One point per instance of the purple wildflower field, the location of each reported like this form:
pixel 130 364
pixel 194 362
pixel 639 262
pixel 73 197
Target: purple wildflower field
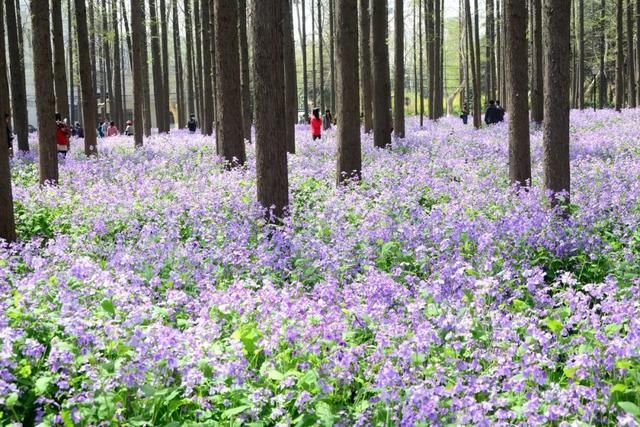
pixel 146 291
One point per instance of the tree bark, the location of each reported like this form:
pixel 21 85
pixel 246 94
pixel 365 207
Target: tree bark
pixel 189 94
pixel 638 51
pixel 381 78
pixel 166 122
pixel 177 51
pixel 398 93
pixel 247 107
pixel 601 48
pixel 414 36
pixel 199 84
pixel 437 55
pixel 314 88
pixel 490 65
pixel 146 89
pixel 477 47
pixel 619 56
pixel 107 60
pixel 476 81
pixel 366 83
pixel 421 65
pixel 290 87
pixel 320 56
pixel 230 132
pixel 127 36
pixel 517 80
pixel 90 105
pixel 207 125
pixel 303 47
pixel 557 36
pixel 332 59
pixel 59 70
pixel 45 97
pixel 537 86
pixel 156 66
pixel 18 82
pixel 431 58
pixel 118 115
pixel 580 73
pixel 137 39
pixel 348 134
pixel 271 150
pixel 7 220
pixel 631 71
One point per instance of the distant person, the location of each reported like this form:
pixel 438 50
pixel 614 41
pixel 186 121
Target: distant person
pixel 492 114
pixel 62 136
pixel 327 120
pixel 105 127
pixel 112 130
pixel 192 124
pixel 316 124
pixel 7 119
pixel 500 111
pixel 129 129
pixel 78 131
pixel 100 129
pixel 465 115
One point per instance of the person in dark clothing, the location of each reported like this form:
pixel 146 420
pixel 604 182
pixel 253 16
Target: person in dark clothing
pixel 500 111
pixel 192 124
pixel 7 119
pixel 327 120
pixel 492 114
pixel 465 115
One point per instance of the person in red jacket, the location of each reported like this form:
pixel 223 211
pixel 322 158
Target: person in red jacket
pixel 62 136
pixel 316 125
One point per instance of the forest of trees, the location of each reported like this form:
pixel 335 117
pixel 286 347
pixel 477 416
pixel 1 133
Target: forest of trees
pixel 214 59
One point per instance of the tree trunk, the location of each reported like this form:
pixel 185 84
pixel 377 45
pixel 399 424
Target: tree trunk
pixel 7 220
pixel 214 85
pixel 580 73
pixel 490 64
pixel 332 59
pixel 107 59
pixel 71 86
pixel 247 108
pixel 414 35
pixel 138 35
pixel 557 36
pixel 603 78
pixel 517 80
pixel 271 149
pixel 537 78
pixel 156 55
pixel 166 102
pixel 431 58
pixel 127 36
pixel 477 47
pixel 189 101
pixel 303 47
pixel 381 78
pixel 638 51
pixel 229 92
pixel 461 59
pixel 313 55
pixel 320 56
pixel 45 97
pixel 290 87
pixel 437 55
pixel 348 134
pixel 18 82
pixel 631 66
pixel 398 93
pixel 118 115
pixel 89 106
pixel 177 51
pixel 207 125
pixel 421 65
pixel 60 73
pixel 619 56
pixel 199 84
pixel 476 81
pixel 92 47
pixel 366 83
pixel 146 89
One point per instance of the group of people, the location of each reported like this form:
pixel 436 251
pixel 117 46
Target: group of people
pixel 318 124
pixel 493 115
pixel 108 128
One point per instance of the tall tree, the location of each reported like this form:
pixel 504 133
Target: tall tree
pixel 146 90
pixel 92 45
pixel 247 107
pixel 601 49
pixel 477 48
pixel 398 95
pixel 190 102
pixel 70 45
pixel 320 55
pixel 177 51
pixel 303 47
pixel 106 46
pixel 580 71
pixel 557 36
pixel 7 220
pixel 414 34
pixel 59 70
pixel 18 83
pixel 381 78
pixel 90 105
pixel 431 58
pixel 271 150
pixel 199 82
pixel 45 97
pixel 366 83
pixel 116 98
pixel 314 87
pixel 207 125
pixel 638 51
pixel 631 70
pixel 437 58
pixel 517 80
pixel 290 87
pixel 137 37
pixel 332 59
pixel 490 65
pixel 537 77
pixel 421 65
pixel 474 75
pixel 156 66
pixel 165 66
pixel 619 56
pixel 229 92
pixel 348 134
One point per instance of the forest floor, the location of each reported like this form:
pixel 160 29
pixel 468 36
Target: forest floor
pixel 146 291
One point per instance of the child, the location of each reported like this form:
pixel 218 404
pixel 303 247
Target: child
pixel 316 125
pixel 129 129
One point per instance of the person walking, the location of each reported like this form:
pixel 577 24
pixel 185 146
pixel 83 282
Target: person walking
pixel 492 114
pixel 500 111
pixel 327 120
pixel 62 136
pixel 192 124
pixel 112 130
pixel 129 129
pixel 465 115
pixel 99 129
pixel 316 124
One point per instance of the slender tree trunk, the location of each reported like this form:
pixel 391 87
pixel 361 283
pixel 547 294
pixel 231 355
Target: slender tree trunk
pixel 127 36
pixel 116 103
pixel 177 51
pixel 7 220
pixel 437 55
pixel 498 52
pixel 92 47
pixel 431 58
pixel 271 149
pixel 619 56
pixel 381 78
pixel 537 87
pixel 71 85
pixel 637 16
pixel 517 80
pixel 146 89
pixel 348 134
pixel 580 74
pixel 89 107
pixel 214 75
pixel 290 87
pixel 138 35
pixel 476 80
pixel 45 97
pixel 490 65
pixel 166 100
pixel 557 36
pixel 477 47
pixel 415 60
pixel 313 55
pixel 60 73
pixel 461 60
pixel 190 102
pixel 18 83
pixel 603 77
pixel 207 125
pixel 321 56
pixel 198 66
pixel 230 132
pixel 398 93
pixel 332 59
pixel 366 83
pixel 107 59
pixel 247 108
pixel 631 65
pixel 303 46
pixel 156 66
pixel 467 58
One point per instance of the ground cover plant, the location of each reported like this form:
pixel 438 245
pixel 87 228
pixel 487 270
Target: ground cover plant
pixel 146 292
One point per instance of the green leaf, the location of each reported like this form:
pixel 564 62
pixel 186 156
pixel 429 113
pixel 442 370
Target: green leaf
pixel 519 305
pixel 107 305
pixel 570 372
pixel 230 413
pixel 66 418
pixel 42 384
pixel 148 390
pixel 619 388
pixel 630 408
pixel 324 411
pixel 11 400
pixel 275 375
pixel 554 325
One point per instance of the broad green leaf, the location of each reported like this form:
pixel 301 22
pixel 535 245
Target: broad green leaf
pixel 619 388
pixel 230 413
pixel 107 305
pixel 42 384
pixel 275 375
pixel 630 408
pixel 554 325
pixel 570 372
